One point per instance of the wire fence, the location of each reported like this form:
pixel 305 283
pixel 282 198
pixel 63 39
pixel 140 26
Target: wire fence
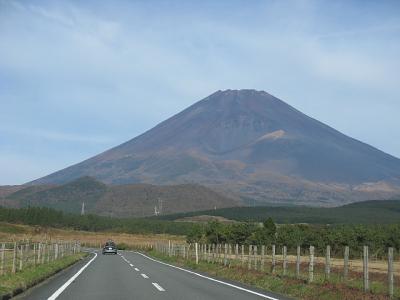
pixel 356 269
pixel 16 256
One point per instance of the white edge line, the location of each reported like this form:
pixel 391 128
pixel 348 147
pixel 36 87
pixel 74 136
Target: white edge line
pixel 158 287
pixel 212 279
pixel 65 285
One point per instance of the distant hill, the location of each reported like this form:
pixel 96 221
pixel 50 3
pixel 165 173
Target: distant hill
pixel 368 212
pixel 252 146
pixel 134 200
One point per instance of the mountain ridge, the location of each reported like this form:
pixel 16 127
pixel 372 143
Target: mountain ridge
pixel 217 142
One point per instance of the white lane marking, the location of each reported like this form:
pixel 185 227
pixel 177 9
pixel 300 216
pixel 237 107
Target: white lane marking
pixel 131 265
pixel 136 269
pixel 65 285
pixel 158 287
pixel 144 276
pixel 212 279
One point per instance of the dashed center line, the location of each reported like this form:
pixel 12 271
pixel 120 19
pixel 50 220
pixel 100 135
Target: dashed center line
pixel 158 287
pixel 144 276
pixel 136 269
pixel 131 265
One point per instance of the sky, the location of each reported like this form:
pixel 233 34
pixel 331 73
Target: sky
pixel 80 77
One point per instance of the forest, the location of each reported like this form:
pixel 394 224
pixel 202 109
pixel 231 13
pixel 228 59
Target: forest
pixel 48 217
pixel 377 236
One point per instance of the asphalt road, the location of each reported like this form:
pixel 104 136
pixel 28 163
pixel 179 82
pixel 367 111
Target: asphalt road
pixel 132 275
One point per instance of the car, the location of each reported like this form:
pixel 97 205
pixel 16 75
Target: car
pixel 109 248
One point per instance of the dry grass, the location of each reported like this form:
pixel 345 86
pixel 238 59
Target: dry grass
pixel 11 232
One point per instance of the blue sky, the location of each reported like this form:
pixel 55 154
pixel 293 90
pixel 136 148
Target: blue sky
pixel 79 77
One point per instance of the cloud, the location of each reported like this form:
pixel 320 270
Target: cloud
pixel 95 74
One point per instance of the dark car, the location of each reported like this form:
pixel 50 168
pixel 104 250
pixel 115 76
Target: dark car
pixel 109 248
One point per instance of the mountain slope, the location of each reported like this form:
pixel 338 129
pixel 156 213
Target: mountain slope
pixel 251 145
pixel 119 200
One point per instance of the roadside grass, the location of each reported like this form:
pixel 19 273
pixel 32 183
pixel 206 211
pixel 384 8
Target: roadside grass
pixel 289 285
pixel 12 284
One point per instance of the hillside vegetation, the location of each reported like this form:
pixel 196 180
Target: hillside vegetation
pixel 378 237
pixel 130 200
pixel 368 212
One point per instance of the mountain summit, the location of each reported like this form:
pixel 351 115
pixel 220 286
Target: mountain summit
pixel 251 145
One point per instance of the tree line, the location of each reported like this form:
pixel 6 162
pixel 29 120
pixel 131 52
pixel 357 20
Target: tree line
pixel 377 237
pixel 48 217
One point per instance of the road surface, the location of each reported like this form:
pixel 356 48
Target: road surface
pixel 132 275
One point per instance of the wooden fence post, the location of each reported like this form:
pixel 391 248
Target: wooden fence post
pixel 255 257
pixel 249 257
pixel 21 257
pixel 346 262
pixel 328 262
pixel 48 251
pixel 262 257
pixel 298 262
pixel 311 265
pixel 284 254
pixel 39 253
pixel 44 245
pixel 197 253
pixel 273 260
pixel 390 272
pixel 225 254
pixel 365 269
pixel 34 254
pixel 2 258
pixel 242 250
pixel 14 258
pixel 236 251
pixel 27 248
